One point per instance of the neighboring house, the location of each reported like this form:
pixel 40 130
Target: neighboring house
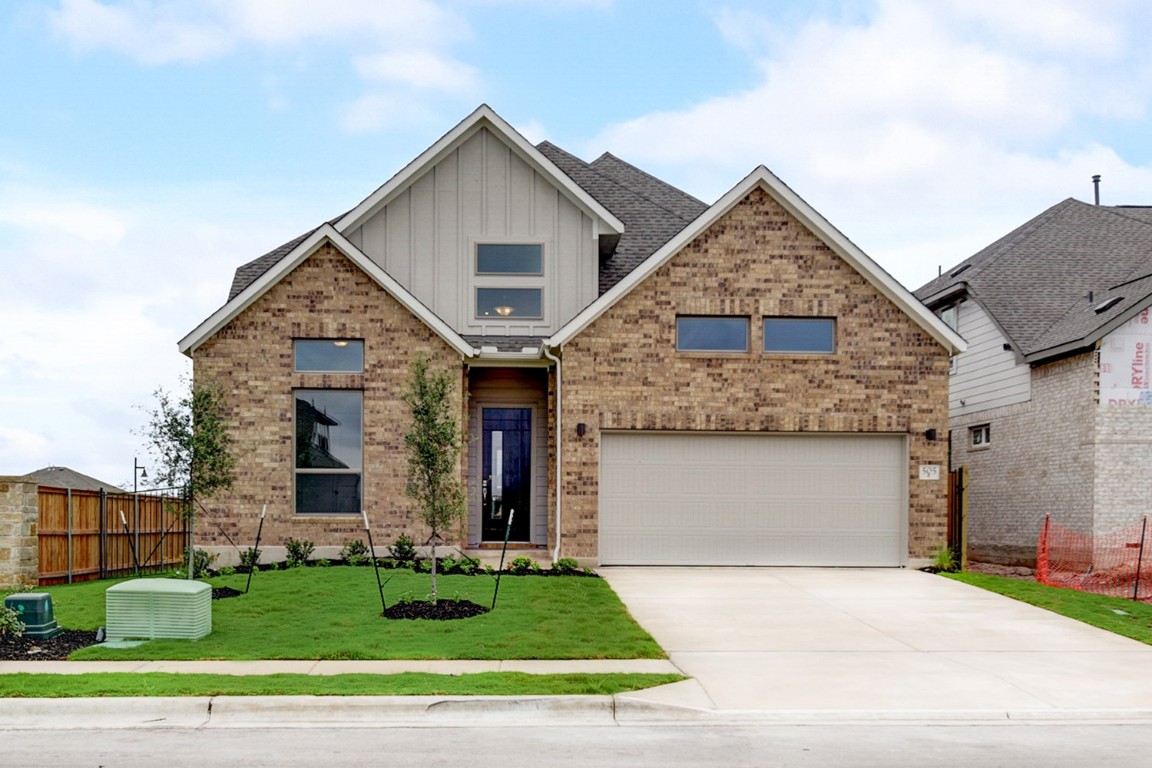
pixel 1051 405
pixel 645 378
pixel 63 477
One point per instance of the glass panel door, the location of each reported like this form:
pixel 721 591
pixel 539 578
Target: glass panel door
pixel 506 482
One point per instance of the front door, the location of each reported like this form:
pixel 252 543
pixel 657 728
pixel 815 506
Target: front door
pixel 506 483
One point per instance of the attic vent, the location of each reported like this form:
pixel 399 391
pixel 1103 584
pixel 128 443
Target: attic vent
pixel 958 271
pixel 1107 305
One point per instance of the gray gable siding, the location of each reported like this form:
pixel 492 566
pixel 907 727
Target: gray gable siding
pixel 482 192
pixel 985 375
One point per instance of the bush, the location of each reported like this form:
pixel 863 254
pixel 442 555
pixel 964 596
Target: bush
pixel 566 566
pixel 225 570
pixel 523 565
pixel 299 550
pixel 250 558
pixel 945 560
pixel 355 552
pixel 202 561
pixel 404 550
pixel 10 624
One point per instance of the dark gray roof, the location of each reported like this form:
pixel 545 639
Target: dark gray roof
pixel 62 477
pixel 652 211
pixel 1044 282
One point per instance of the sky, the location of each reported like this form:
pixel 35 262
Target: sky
pixel 150 147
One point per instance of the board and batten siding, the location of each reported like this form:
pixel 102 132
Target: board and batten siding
pixel 483 192
pixel 986 375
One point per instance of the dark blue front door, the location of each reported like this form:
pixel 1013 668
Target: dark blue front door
pixel 507 473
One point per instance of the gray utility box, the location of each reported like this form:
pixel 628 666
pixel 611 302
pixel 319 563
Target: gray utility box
pixel 35 609
pixel 151 608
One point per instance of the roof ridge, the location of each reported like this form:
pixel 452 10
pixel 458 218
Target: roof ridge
pixel 645 173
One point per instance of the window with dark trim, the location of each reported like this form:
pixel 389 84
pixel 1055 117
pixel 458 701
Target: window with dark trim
pixel 812 335
pixel 711 334
pixel 329 451
pixel 328 355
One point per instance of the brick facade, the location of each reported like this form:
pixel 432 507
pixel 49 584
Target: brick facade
pixel 19 544
pixel 1040 461
pixel 326 296
pixel 623 371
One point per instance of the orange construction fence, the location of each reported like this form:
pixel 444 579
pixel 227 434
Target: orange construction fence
pixel 1115 564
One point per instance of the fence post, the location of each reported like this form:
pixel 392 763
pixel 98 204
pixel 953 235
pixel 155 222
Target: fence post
pixel 69 535
pixel 1042 554
pixel 1140 559
pixel 103 533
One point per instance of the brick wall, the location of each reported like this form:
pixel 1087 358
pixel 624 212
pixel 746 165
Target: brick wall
pixel 327 296
pixel 19 544
pixel 1122 493
pixel 1040 461
pixel 623 371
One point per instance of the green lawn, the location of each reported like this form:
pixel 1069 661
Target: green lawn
pixel 334 613
pixel 1123 617
pixel 47 686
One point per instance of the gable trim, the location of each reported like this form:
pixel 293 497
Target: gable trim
pixel 604 221
pixel 326 233
pixel 764 179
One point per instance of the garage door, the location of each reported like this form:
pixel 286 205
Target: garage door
pixel 678 499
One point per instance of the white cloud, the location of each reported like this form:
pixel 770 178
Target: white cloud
pixel 401 42
pixel 22 450
pixel 915 123
pixel 421 70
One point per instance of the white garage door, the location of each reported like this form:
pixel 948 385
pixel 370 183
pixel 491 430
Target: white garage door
pixel 677 499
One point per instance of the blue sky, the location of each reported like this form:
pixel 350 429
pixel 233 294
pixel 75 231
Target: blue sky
pixel 150 147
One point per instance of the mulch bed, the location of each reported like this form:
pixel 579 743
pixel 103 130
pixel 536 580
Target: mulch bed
pixel 443 610
pixel 219 593
pixel 55 649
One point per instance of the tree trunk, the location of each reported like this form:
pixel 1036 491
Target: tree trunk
pixel 434 569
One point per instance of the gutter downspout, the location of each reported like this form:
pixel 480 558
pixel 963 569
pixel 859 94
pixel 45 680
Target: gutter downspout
pixel 559 447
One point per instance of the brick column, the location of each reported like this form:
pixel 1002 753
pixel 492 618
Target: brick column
pixel 19 547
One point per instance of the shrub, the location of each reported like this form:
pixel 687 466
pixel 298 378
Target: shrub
pixel 404 550
pixel 354 552
pixel 523 565
pixel 201 564
pixel 10 624
pixel 566 566
pixel 299 550
pixel 945 560
pixel 323 563
pixel 250 558
pixel 225 570
pixel 447 565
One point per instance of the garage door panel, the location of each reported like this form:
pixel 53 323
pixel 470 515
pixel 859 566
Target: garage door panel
pixel 675 499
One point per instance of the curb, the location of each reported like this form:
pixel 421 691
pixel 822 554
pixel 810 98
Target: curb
pixel 458 711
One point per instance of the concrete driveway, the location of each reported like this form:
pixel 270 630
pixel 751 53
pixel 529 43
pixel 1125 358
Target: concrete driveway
pixel 887 642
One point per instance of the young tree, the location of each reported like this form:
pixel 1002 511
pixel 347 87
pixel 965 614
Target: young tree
pixel 188 437
pixel 433 443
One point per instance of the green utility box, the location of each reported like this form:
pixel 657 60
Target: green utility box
pixel 151 608
pixel 35 609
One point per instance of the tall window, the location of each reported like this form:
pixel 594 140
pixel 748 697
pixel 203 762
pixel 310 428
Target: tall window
pixel 509 281
pixel 329 451
pixel 712 334
pixel 800 334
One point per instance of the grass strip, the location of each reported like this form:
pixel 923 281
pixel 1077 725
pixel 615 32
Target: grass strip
pixel 334 613
pixel 112 684
pixel 1122 617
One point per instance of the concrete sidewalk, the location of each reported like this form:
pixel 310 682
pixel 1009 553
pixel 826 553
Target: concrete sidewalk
pixel 783 645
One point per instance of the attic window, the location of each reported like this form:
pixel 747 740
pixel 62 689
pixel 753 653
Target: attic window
pixel 509 259
pixel 329 355
pixel 959 270
pixel 1107 305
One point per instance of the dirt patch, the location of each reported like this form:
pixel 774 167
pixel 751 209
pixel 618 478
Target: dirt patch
pixel 55 649
pixel 443 610
pixel 1009 571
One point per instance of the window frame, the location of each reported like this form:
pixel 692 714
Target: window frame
pixel 511 317
pixel 296 344
pixel 981 432
pixel 795 319
pixel 482 273
pixel 298 471
pixel 745 319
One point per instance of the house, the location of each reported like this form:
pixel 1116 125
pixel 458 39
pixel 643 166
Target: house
pixel 646 379
pixel 1051 404
pixel 63 477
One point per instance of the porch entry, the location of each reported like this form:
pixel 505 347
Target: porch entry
pixel 506 480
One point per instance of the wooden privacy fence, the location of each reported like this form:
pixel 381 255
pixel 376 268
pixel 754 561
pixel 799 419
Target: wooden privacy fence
pixel 82 536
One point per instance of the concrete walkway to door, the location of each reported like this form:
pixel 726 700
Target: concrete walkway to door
pixel 809 643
